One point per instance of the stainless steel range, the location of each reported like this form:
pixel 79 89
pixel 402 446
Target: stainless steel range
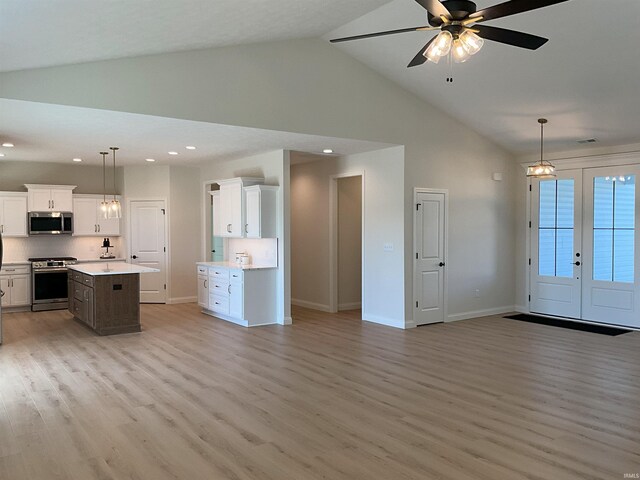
pixel 49 283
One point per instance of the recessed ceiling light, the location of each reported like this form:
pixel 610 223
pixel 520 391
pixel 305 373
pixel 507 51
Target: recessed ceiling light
pixel 190 147
pixel 77 159
pixel 7 144
pixel 327 150
pixel 151 159
pixel 173 153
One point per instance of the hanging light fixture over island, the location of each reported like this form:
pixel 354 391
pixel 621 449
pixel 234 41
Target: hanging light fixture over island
pixel 115 209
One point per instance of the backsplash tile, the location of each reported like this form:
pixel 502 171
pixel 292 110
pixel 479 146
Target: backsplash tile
pixel 83 248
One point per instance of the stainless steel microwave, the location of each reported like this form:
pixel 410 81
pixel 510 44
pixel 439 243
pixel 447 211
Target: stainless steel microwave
pixel 50 223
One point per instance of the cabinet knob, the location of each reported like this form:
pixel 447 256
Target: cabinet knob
pixel 441 264
pixel 134 256
pixel 228 228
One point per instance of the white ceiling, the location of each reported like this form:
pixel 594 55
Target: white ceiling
pixel 56 133
pixel 39 33
pixel 584 80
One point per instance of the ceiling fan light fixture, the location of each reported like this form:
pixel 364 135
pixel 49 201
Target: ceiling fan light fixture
pixel 471 42
pixel 458 51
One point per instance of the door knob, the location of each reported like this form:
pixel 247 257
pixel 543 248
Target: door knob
pixel 577 264
pixel 441 264
pixel 134 256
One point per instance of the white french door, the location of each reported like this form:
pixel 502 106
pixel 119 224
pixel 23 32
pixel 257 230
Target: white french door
pixel 584 246
pixel 556 245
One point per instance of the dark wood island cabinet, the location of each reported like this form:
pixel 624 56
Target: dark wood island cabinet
pixel 106 298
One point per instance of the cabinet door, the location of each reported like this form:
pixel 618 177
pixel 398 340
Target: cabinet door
pixel 203 291
pixel 108 227
pixel 20 294
pixel 4 286
pixel 13 216
pixel 40 200
pixel 231 205
pixel 236 300
pixel 252 203
pixel 91 316
pixel 85 212
pixel 62 200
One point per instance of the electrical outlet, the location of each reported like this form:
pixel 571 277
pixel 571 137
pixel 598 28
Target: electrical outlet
pixel 388 247
pixel 477 293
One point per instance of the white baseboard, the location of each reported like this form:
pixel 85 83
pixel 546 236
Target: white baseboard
pixel 350 306
pixel 287 321
pixel 311 305
pixel 176 300
pixel 389 322
pixel 481 313
pixel 521 309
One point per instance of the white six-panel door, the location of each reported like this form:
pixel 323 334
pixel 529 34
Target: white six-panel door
pixel 429 267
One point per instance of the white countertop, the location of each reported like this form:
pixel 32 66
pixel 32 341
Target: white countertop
pixel 235 266
pixel 110 268
pixel 16 262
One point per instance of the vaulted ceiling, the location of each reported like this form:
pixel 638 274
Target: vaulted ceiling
pixel 584 80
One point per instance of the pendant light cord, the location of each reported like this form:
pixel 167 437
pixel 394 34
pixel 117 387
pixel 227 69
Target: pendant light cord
pixel 113 149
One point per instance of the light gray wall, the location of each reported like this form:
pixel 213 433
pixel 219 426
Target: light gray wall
pixel 14 174
pixel 308 86
pixel 349 242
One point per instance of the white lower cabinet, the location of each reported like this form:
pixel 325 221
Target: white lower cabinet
pixel 203 286
pixel 15 282
pixel 245 297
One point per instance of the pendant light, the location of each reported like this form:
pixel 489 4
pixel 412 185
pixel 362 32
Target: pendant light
pixel 542 169
pixel 103 210
pixel 115 209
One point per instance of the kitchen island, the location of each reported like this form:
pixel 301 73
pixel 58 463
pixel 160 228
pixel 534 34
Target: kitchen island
pixel 106 296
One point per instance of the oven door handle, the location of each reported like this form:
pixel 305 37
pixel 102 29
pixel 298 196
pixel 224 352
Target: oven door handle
pixel 46 270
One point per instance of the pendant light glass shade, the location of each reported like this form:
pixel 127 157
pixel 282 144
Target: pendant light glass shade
pixel 440 47
pixel 459 52
pixel 542 169
pixel 115 209
pixel 103 208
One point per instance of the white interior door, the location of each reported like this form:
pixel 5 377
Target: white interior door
pixel 556 245
pixel 429 269
pixel 148 247
pixel 611 272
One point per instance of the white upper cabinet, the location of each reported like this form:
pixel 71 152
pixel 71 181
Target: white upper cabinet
pixel 260 203
pixel 89 222
pixel 232 206
pixel 13 214
pixel 50 198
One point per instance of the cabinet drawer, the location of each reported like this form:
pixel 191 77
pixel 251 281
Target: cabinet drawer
pixel 77 276
pixel 236 276
pixel 15 270
pixel 219 304
pixel 78 292
pixel 87 280
pixel 220 274
pixel 218 287
pixel 203 270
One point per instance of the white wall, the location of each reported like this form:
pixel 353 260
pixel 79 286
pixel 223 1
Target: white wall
pixel 349 242
pixel 276 86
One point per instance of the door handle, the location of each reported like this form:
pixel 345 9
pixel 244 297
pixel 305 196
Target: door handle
pixel 577 264
pixel 134 256
pixel 441 264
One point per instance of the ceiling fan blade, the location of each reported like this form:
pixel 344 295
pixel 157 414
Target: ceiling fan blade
pixel 419 59
pixel 380 34
pixel 435 8
pixel 510 37
pixel 511 8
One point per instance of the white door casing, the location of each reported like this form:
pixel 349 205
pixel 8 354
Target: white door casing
pixel 430 224
pixel 556 231
pixel 148 247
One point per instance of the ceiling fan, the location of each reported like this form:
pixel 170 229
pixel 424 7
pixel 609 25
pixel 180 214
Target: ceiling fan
pixel 461 34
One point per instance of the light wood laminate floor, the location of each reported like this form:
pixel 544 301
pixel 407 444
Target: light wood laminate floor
pixel 330 397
